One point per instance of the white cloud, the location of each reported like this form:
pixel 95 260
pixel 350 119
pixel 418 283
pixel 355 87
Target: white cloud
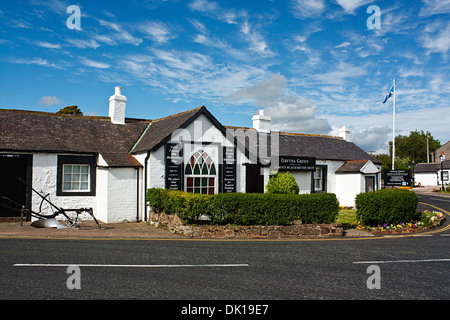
pixel 94 64
pixel 438 43
pixel 213 9
pixel 350 6
pixel 157 31
pixel 256 40
pixel 340 74
pixel 83 44
pixel 307 8
pixel 263 94
pixel 432 7
pixel 288 112
pixel 49 101
pixel 37 61
pixel 48 45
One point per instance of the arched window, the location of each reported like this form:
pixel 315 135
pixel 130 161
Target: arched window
pixel 200 174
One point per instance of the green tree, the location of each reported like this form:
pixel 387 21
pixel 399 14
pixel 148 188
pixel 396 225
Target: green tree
pixel 412 149
pixel 71 110
pixel 282 183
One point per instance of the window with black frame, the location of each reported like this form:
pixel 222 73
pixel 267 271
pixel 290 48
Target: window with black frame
pixel 76 175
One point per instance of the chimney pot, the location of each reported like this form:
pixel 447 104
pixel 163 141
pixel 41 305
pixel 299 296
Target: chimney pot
pixel 261 122
pixel 117 104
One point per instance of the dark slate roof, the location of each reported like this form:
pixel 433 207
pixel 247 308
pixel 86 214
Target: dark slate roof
pixel 50 132
pixel 305 145
pixel 352 166
pixel 431 167
pixel 322 147
pixel 30 131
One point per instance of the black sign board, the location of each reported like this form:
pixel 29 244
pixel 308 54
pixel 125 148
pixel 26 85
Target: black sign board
pixel 444 175
pixel 229 169
pixel 174 169
pixel 397 178
pixel 290 163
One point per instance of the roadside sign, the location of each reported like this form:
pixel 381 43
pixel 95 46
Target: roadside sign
pixel 397 178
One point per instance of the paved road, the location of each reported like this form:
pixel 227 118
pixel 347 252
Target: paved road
pixel 409 267
pixel 176 269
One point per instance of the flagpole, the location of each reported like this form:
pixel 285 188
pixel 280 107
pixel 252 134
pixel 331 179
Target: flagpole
pixel 393 129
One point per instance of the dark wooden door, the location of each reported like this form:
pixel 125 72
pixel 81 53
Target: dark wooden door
pixel 15 177
pixel 254 180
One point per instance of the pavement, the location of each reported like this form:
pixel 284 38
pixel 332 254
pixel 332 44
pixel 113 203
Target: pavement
pixel 89 229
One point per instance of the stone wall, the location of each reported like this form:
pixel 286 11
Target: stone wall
pixel 297 231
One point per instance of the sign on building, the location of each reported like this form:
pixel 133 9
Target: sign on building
pixel 291 163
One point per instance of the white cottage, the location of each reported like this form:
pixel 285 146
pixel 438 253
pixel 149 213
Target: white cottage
pixel 107 163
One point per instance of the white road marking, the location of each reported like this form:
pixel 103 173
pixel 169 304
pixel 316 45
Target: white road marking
pixel 129 265
pixel 401 261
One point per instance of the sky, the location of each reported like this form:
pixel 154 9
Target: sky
pixel 312 65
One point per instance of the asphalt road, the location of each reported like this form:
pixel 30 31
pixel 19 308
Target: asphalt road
pixel 412 267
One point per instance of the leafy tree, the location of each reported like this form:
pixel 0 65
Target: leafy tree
pixel 282 183
pixel 412 149
pixel 71 110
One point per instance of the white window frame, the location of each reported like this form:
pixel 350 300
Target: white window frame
pixel 78 181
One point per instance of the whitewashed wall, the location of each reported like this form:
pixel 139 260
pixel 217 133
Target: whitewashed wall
pixel 201 130
pixel 44 181
pixel 119 202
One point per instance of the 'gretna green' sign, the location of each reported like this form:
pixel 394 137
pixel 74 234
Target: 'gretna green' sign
pixel 291 163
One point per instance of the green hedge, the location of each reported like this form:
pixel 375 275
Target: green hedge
pixel 386 206
pixel 246 209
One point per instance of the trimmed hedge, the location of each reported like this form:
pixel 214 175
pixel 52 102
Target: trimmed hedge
pixel 246 209
pixel 386 206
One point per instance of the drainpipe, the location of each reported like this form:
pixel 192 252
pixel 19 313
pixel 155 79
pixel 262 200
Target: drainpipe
pixel 137 194
pixel 145 184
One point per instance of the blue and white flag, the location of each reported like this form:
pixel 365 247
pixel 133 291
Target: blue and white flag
pixel 391 91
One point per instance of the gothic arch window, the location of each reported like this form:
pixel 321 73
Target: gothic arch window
pixel 200 173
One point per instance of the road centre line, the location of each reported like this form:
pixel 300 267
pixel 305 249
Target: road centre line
pixel 130 265
pixel 401 261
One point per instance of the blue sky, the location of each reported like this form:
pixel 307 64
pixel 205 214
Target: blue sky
pixel 313 65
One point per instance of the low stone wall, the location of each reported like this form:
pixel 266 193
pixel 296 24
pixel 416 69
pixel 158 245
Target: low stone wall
pixel 174 224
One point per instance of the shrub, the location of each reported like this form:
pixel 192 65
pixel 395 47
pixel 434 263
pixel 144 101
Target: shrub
pixel 282 183
pixel 246 209
pixel 390 206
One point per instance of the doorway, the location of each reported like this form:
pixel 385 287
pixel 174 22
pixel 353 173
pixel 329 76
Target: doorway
pixel 15 184
pixel 254 180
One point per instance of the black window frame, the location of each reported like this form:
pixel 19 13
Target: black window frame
pixel 90 160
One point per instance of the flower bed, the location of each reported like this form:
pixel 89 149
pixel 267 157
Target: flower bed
pixel 435 219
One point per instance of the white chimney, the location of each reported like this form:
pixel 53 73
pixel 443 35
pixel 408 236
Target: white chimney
pixel 261 122
pixel 117 104
pixel 344 133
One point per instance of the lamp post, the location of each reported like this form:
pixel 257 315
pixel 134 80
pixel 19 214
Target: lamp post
pixel 442 156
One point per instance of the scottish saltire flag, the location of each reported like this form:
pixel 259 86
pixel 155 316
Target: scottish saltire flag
pixel 391 91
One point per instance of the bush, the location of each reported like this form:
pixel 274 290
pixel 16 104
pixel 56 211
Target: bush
pixel 246 209
pixel 390 206
pixel 282 183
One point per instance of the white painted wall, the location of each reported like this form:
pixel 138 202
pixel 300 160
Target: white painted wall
pixel 120 198
pixel 44 181
pixel 349 185
pixel 201 130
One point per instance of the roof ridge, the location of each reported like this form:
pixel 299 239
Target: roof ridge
pixel 178 114
pixel 290 133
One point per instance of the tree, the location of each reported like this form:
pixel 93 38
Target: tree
pixel 282 183
pixel 71 110
pixel 412 149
